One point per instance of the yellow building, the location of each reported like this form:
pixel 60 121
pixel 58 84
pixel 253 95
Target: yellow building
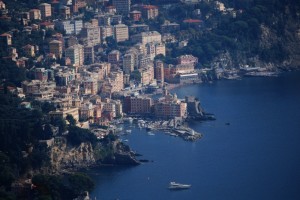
pixel 35 14
pixel 5 39
pixel 29 50
pixel 45 9
pixel 64 112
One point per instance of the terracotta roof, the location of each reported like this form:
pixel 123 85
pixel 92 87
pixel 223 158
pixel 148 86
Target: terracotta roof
pixel 46 23
pixel 192 21
pixel 27 46
pixel 150 7
pixel 6 34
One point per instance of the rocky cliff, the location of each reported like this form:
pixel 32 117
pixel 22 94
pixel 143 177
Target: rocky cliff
pixel 64 157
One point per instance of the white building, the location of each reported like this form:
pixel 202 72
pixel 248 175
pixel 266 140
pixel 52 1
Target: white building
pixel 69 27
pixel 91 34
pixel 147 37
pixel 121 32
pixel 76 54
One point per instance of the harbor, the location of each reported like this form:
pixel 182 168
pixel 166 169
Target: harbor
pixel 170 127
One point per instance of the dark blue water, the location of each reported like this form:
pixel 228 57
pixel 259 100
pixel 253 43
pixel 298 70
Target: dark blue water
pixel 257 156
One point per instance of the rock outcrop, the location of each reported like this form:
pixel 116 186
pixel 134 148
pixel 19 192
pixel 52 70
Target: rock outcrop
pixel 64 157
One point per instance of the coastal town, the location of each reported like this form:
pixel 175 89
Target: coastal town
pixel 77 76
pixel 108 65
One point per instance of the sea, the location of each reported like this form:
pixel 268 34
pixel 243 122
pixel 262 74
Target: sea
pixel 251 151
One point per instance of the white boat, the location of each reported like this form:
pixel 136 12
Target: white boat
pixel 128 131
pixel 177 186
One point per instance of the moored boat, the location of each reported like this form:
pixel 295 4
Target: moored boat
pixel 178 186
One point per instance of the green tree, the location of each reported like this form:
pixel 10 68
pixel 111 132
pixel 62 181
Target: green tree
pixel 71 120
pixel 80 182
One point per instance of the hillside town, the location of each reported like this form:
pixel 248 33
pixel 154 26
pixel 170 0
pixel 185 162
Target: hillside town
pixel 101 68
pixel 76 74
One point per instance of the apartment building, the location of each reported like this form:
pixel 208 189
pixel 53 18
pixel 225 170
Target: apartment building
pixel 75 54
pixel 45 9
pixel 56 47
pixel 169 107
pixel 187 59
pixel 63 113
pixel 147 37
pixel 106 31
pixel 114 57
pixel 159 71
pixel 170 110
pixel 102 69
pixel 91 34
pixel 122 6
pixel 5 39
pixel 69 27
pixel 128 63
pixel 89 86
pixel 121 32
pixel 149 11
pixel 34 14
pixel 89 55
pixel 135 15
pixel 147 74
pixel 117 81
pixel 29 50
pixel 138 105
pixel 41 74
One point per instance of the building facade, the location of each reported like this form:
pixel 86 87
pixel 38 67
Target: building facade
pixel 45 9
pixel 55 47
pixel 122 6
pixel 121 32
pixel 75 54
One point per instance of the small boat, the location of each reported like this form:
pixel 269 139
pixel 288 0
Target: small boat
pixel 150 133
pixel 178 186
pixel 128 131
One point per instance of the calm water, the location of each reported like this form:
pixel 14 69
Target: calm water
pixel 257 156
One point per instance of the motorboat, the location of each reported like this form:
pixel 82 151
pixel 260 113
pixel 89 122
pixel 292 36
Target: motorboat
pixel 178 186
pixel 128 131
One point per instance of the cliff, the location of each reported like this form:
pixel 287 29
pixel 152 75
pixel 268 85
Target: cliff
pixel 64 157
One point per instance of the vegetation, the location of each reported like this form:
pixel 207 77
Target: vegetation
pixel 20 150
pixel 240 35
pixel 77 135
pixel 58 187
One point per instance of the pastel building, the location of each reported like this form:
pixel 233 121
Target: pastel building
pixel 147 37
pixel 56 47
pixel 75 54
pixel 6 39
pixel 45 9
pixel 138 105
pixel 128 63
pixel 121 32
pixel 149 11
pixel 114 57
pixel 35 14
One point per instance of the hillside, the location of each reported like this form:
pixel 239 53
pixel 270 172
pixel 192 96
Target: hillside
pixel 253 32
